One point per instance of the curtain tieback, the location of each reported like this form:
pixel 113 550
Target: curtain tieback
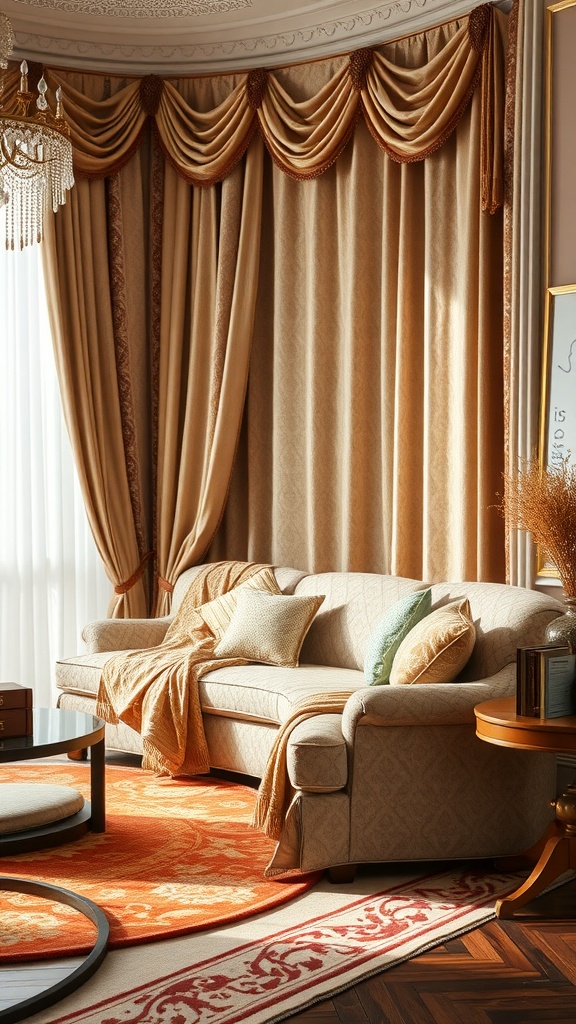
pixel 165 585
pixel 123 588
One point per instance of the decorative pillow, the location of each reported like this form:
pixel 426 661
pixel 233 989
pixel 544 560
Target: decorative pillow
pixel 438 647
pixel 268 628
pixel 217 613
pixel 390 632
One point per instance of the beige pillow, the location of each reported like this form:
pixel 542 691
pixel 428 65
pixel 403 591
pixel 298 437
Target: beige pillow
pixel 217 613
pixel 437 648
pixel 268 628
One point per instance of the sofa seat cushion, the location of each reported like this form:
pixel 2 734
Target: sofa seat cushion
pixel 268 693
pixel 317 758
pixel 82 674
pixel 261 693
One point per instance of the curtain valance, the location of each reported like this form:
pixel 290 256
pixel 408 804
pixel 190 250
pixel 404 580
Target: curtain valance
pixel 409 110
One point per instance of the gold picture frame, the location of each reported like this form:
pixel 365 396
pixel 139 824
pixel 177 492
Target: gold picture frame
pixel 558 407
pixel 557 429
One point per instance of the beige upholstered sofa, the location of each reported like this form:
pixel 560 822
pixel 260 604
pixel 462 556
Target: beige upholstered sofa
pixel 400 775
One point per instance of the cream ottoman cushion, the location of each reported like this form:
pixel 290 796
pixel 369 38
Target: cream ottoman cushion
pixel 27 805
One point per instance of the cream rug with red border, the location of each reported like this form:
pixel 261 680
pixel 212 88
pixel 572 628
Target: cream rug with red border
pixel 273 965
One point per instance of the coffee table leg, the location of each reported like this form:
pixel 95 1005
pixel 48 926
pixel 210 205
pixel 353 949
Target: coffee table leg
pixel 97 787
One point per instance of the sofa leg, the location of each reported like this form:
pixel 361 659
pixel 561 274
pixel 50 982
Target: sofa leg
pixel 342 873
pixel 78 755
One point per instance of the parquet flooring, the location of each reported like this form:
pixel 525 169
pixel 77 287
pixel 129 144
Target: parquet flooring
pixel 521 971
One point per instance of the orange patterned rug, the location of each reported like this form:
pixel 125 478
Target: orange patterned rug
pixel 178 856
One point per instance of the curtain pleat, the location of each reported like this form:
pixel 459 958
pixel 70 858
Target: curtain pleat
pixel 210 272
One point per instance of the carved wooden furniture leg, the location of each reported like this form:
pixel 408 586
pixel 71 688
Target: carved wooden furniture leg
pixel 78 755
pixel 558 856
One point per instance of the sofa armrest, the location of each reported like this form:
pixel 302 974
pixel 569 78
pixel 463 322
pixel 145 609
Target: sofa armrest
pixel 124 634
pixel 425 703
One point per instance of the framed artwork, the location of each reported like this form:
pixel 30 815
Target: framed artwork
pixel 558 407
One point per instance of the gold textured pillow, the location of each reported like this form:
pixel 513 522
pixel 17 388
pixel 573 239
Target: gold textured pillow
pixel 268 628
pixel 217 613
pixel 437 648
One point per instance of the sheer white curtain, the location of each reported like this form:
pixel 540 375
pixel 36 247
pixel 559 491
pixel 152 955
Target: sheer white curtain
pixel 51 577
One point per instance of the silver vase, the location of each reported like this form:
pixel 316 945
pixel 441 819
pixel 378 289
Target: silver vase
pixel 563 629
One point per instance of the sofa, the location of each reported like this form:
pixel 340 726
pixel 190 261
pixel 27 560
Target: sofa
pixel 400 775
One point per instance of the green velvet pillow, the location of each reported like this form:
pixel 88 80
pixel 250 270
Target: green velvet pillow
pixel 390 632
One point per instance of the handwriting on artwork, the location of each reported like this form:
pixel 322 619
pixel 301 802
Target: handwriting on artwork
pixel 567 369
pixel 561 418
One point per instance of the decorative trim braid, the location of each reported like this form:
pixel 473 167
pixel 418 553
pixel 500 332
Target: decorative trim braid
pixel 157 176
pixel 256 85
pixel 151 89
pixel 478 22
pixel 122 351
pixel 359 65
pixel 123 588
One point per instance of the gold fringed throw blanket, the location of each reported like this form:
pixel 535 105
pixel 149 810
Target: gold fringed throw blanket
pixel 155 691
pixel 274 794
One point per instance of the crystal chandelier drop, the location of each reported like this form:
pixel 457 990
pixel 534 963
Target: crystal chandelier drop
pixel 35 154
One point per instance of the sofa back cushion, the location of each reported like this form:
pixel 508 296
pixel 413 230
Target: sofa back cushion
pixel 354 602
pixel 505 618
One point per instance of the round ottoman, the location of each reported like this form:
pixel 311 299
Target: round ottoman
pixel 24 806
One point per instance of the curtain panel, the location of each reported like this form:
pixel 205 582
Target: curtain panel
pixel 163 267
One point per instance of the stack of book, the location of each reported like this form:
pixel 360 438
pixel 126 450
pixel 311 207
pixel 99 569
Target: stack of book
pixel 15 710
pixel 545 681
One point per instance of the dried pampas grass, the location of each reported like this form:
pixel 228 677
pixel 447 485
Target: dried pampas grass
pixel 543 502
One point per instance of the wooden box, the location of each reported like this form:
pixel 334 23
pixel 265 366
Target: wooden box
pixel 15 710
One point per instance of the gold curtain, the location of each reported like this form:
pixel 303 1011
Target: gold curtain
pixel 209 280
pixel 373 435
pixel 156 276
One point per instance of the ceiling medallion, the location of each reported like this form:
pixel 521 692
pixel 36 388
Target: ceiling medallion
pixel 141 8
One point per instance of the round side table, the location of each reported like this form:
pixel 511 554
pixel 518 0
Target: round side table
pixel 555 853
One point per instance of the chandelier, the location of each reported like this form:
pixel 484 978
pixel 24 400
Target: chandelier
pixel 35 154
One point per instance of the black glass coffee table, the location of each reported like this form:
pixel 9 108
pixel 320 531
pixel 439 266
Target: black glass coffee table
pixel 58 731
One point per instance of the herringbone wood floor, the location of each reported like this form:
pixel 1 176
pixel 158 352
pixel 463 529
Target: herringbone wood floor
pixel 506 972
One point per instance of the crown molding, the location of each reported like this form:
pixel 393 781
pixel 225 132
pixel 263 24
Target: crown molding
pixel 110 43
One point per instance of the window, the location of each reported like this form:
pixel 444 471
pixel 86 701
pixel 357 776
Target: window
pixel 52 581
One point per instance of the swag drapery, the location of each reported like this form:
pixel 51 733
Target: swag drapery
pixel 296 273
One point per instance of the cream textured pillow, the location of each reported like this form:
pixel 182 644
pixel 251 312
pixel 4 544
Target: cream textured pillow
pixel 437 648
pixel 268 628
pixel 217 613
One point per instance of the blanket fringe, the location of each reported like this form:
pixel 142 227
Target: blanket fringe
pixel 105 711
